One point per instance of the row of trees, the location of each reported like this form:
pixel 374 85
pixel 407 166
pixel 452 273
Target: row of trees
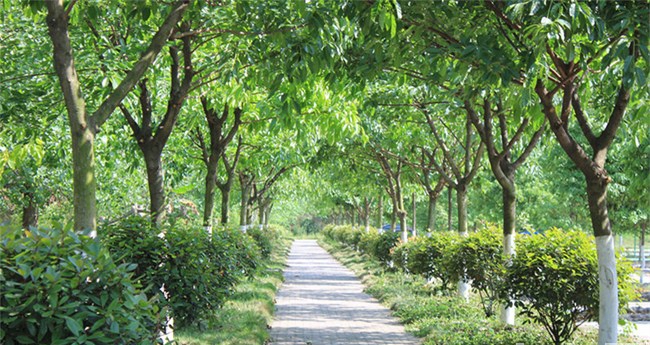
pixel 376 97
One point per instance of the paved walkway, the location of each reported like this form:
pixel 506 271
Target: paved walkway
pixel 322 303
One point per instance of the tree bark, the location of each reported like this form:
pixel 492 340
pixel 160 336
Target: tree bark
pixel 461 208
pixel 380 212
pixel 414 216
pixel 366 214
pixel 509 228
pixel 393 218
pixel 210 186
pixel 246 183
pixel 225 203
pixel 155 181
pixel 449 208
pixel 431 213
pixel 30 210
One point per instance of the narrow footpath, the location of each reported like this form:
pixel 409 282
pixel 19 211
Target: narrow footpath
pixel 323 303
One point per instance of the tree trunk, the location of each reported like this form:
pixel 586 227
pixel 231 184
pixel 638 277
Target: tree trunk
pixel 393 217
pixel 461 204
pixel 431 214
pixel 380 213
pixel 155 181
pixel 403 225
pixel 608 308
pixel 366 214
pixel 461 200
pixel 644 225
pixel 210 186
pixel 30 209
pixel 83 177
pixel 267 214
pixel 245 196
pixel 449 208
pixel 414 217
pixel 509 226
pixel 225 203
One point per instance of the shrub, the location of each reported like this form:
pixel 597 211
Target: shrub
pixel 133 240
pixel 368 242
pixel 554 281
pixel 479 258
pixel 198 271
pixel 439 248
pixel 235 253
pixel 62 287
pixel 412 256
pixel 263 239
pixel 384 245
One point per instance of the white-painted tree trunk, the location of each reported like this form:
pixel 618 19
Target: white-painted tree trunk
pixel 508 313
pixel 464 285
pixel 208 229
pixel 244 228
pixel 463 289
pixel 167 334
pixel 608 308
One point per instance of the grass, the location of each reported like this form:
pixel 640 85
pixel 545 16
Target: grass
pixel 442 319
pixel 245 317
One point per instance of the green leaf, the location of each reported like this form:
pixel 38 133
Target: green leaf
pixel 73 325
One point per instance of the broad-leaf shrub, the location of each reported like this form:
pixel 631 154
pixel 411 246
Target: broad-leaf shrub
pixel 412 256
pixel 439 249
pixel 62 287
pixel 478 258
pixel 553 280
pixel 264 240
pixel 198 270
pixel 384 246
pixel 368 242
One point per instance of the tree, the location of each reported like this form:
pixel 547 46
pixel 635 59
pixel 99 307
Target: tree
pixel 220 137
pixel 84 127
pixel 503 167
pixel 225 185
pixel 152 139
pixel 393 174
pixel 569 48
pixel 433 191
pixel 462 171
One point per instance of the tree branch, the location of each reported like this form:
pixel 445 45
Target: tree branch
pixel 137 71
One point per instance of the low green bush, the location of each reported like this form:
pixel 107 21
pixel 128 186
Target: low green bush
pixel 198 271
pixel 553 280
pixel 412 256
pixel 62 287
pixel 478 258
pixel 264 240
pixel 384 246
pixel 439 249
pixel 368 242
